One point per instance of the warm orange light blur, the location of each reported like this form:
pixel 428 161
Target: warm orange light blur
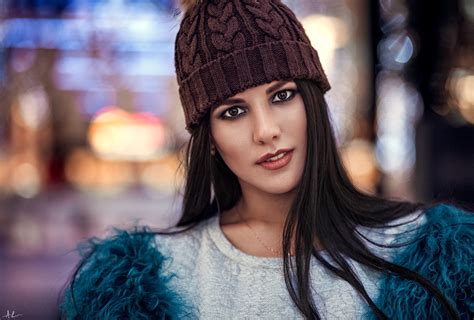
pixel 465 93
pixel 460 84
pixel 163 175
pixel 359 160
pixel 117 134
pixel 89 173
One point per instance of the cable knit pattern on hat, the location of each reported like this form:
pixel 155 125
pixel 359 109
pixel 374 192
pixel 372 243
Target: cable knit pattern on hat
pixel 225 47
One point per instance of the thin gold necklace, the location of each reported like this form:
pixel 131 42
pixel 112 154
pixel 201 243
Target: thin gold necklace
pixel 278 252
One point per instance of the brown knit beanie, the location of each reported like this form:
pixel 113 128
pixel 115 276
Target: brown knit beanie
pixel 224 47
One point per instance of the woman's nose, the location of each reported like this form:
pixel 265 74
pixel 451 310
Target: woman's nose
pixel 266 127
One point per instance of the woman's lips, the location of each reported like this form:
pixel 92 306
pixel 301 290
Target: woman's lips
pixel 271 155
pixel 277 164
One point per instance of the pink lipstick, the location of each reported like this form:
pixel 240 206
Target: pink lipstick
pixel 279 163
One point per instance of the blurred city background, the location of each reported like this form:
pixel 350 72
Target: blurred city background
pixel 92 130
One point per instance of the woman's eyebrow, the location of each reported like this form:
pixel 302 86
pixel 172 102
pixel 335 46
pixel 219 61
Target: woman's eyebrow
pixel 276 86
pixel 227 102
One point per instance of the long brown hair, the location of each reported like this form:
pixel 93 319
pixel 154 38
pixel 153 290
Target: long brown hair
pixel 327 207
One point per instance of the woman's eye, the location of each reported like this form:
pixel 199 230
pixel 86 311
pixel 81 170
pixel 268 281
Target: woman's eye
pixel 284 95
pixel 231 113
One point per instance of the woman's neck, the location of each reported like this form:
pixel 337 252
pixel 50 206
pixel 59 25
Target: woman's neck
pixel 266 214
pixel 256 206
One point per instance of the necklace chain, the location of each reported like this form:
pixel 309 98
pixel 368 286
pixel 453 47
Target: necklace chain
pixel 258 238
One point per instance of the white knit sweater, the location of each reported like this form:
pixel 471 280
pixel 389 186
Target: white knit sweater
pixel 220 281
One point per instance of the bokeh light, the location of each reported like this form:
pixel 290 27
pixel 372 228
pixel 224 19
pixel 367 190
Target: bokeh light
pixel 117 134
pixel 399 108
pixel 326 35
pixel 460 85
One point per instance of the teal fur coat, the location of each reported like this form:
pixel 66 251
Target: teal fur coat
pixel 121 277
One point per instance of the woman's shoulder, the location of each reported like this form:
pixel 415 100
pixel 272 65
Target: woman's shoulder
pixel 444 238
pixel 182 243
pixel 430 223
pixel 440 223
pixel 378 239
pixel 127 273
pixel 438 247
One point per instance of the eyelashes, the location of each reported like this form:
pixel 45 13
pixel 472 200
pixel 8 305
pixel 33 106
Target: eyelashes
pixel 280 95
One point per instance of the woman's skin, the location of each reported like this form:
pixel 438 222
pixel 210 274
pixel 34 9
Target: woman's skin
pixel 262 122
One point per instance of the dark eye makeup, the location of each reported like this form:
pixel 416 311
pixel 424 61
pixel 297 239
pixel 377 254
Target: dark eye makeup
pixel 281 95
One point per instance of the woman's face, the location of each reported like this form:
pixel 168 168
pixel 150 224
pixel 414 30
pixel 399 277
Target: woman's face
pixel 261 120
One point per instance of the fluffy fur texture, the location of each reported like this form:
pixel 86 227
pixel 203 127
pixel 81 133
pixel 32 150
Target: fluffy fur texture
pixel 188 4
pixel 444 255
pixel 122 279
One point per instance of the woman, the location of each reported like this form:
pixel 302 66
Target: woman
pixel 271 225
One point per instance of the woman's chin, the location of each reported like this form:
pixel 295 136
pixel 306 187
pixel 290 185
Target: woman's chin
pixel 280 187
